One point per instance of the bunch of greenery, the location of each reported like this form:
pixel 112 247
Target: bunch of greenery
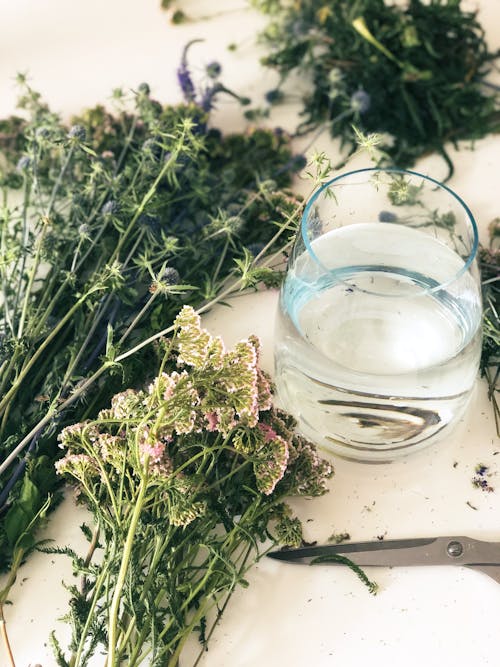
pixel 108 226
pixel 186 481
pixel 489 261
pixel 414 71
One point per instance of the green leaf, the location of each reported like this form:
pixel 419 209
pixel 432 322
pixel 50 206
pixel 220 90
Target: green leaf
pixel 20 515
pixel 343 560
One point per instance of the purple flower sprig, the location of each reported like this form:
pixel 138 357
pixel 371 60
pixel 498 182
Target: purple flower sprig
pixel 184 75
pixel 205 95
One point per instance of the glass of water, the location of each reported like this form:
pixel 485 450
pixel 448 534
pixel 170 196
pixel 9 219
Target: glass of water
pixel 378 332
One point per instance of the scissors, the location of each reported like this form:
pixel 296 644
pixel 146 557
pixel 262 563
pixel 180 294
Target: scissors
pixel 475 554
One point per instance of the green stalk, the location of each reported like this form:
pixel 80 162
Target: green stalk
pixel 51 413
pixel 221 260
pixel 76 359
pixel 76 657
pixel 6 311
pixel 60 177
pixel 26 192
pixel 232 542
pixel 200 613
pixel 11 579
pixel 29 364
pixel 159 550
pixel 33 271
pixel 127 550
pixel 145 200
pixel 5 638
pixel 126 145
pixel 46 304
pixel 8 370
pixel 220 612
pixel 138 317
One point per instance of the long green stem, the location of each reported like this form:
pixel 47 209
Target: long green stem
pixel 145 200
pixel 59 180
pixel 24 252
pixel 76 657
pixel 11 579
pixel 160 548
pixel 32 275
pixel 120 581
pixel 220 612
pixel 51 413
pixel 5 638
pixel 76 359
pixel 7 370
pixel 41 349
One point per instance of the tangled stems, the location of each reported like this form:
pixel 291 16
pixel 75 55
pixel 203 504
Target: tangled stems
pixel 124 639
pixel 233 287
pixel 120 219
pixel 414 71
pixel 185 481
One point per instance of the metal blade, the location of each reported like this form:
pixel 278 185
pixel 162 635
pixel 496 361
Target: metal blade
pixel 492 571
pixel 417 551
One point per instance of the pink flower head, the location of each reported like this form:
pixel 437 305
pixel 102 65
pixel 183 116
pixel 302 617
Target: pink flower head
pixel 154 450
pixel 268 432
pixel 212 419
pixel 77 465
pixel 150 447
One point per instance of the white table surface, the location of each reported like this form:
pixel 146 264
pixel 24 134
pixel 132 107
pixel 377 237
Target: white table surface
pixel 76 52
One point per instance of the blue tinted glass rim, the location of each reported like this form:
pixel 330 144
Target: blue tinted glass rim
pixel 366 170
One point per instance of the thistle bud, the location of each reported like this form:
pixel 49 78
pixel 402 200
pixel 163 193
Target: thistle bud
pixel 77 132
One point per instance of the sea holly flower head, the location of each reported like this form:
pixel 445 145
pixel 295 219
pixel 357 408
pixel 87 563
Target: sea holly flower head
pixel 360 101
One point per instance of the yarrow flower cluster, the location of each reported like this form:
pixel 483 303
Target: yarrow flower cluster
pixel 196 466
pixel 215 394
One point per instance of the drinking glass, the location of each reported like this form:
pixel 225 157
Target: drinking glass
pixel 378 334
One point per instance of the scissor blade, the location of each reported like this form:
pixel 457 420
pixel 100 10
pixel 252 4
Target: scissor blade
pixel 415 551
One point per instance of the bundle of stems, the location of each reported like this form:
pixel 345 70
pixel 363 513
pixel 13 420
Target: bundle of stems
pixel 186 481
pixel 489 261
pixel 107 227
pixel 414 71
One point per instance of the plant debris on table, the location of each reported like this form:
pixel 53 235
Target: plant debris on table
pixel 186 482
pixel 107 226
pixel 414 71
